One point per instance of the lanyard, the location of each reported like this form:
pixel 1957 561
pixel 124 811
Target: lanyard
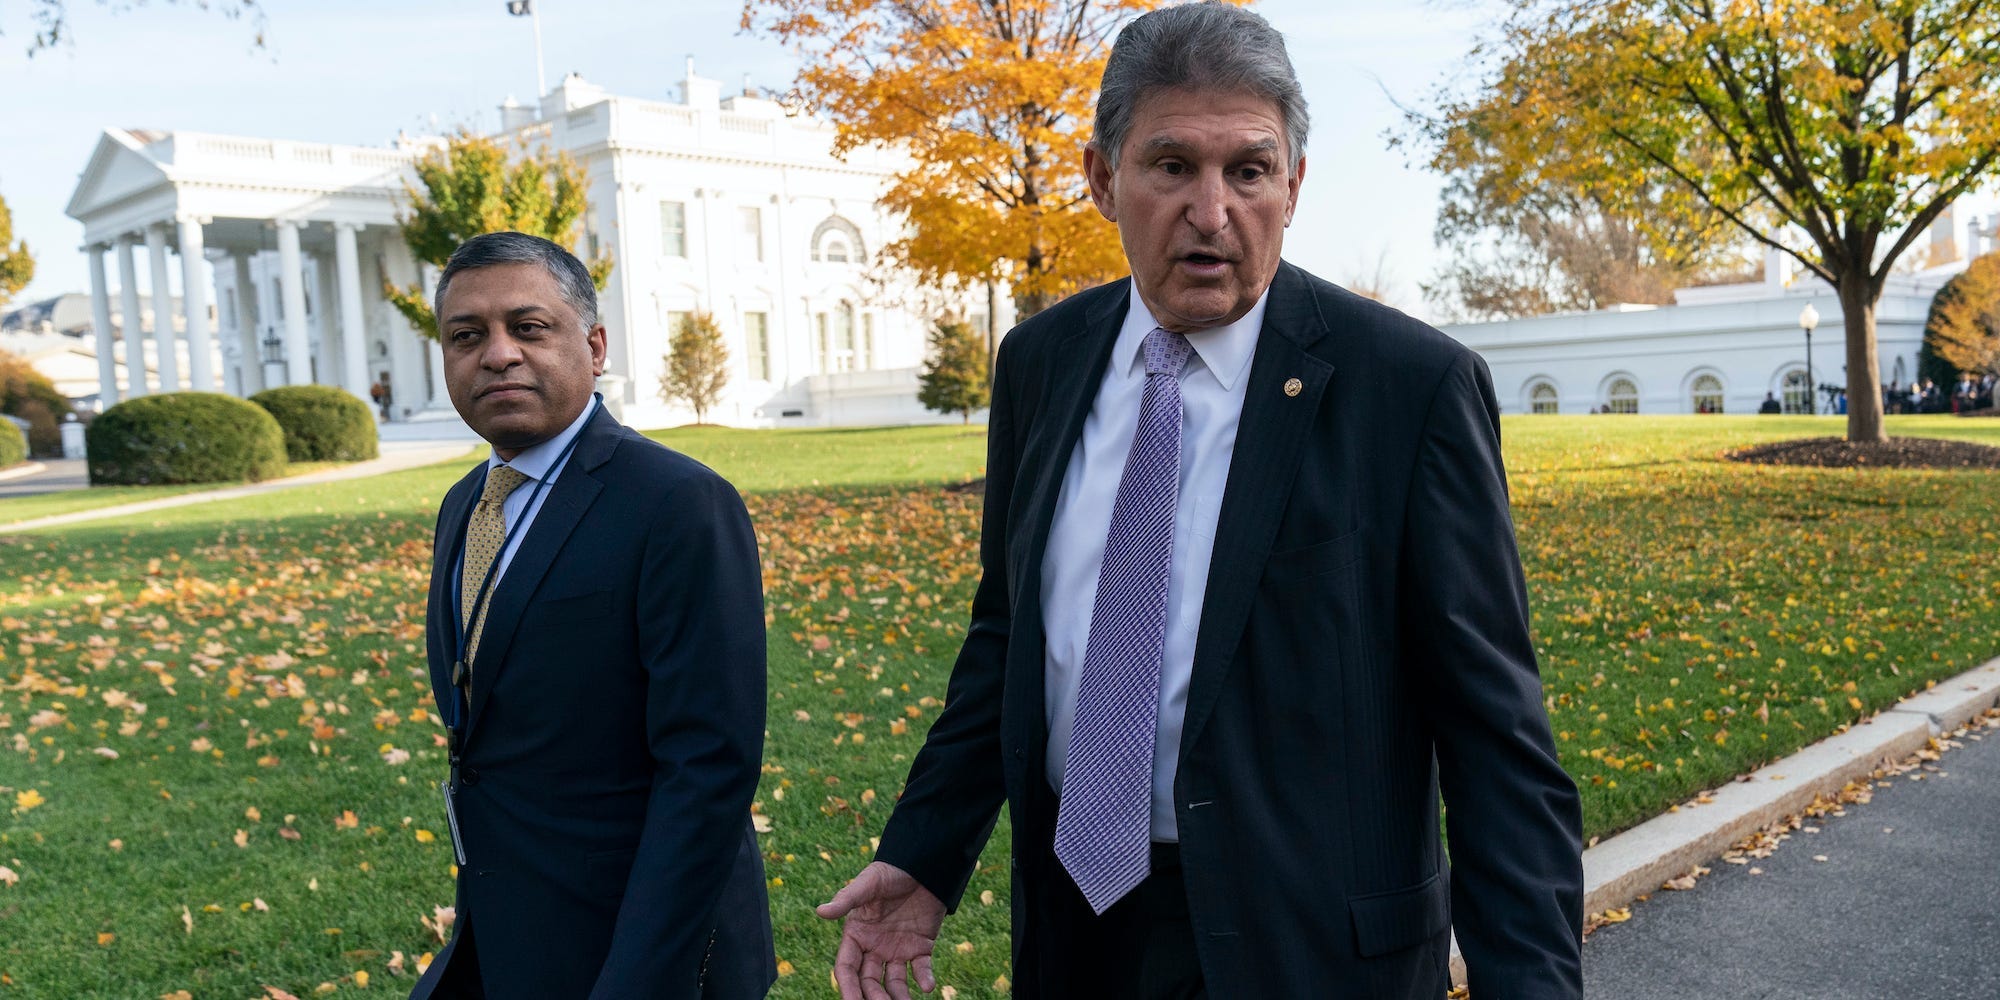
pixel 460 669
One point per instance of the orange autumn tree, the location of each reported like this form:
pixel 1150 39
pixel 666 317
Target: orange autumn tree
pixel 992 102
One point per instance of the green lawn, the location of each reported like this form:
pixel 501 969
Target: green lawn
pixel 14 510
pixel 1694 617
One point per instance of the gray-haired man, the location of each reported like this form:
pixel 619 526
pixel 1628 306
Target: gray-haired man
pixel 1243 611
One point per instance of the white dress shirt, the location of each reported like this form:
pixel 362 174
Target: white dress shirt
pixel 534 462
pixel 1212 389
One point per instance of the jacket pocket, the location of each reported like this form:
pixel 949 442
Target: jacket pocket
pixel 1390 921
pixel 1318 558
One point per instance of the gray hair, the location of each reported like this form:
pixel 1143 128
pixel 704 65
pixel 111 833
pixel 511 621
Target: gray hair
pixel 1198 46
pixel 572 278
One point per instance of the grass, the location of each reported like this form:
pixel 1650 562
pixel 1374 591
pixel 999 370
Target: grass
pixel 1694 618
pixel 14 510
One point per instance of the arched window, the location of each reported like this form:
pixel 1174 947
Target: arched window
pixel 1796 391
pixel 1707 393
pixel 838 241
pixel 1543 399
pixel 1623 396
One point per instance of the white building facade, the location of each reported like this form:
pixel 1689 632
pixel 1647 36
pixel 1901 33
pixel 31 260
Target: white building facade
pixel 1717 349
pixel 724 205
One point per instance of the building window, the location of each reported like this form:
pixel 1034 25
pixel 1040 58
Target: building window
pixel 838 241
pixel 229 306
pixel 1542 399
pixel 1796 391
pixel 833 249
pixel 673 229
pixel 868 342
pixel 757 345
pixel 1707 392
pixel 674 322
pixel 823 346
pixel 753 234
pixel 1624 397
pixel 843 338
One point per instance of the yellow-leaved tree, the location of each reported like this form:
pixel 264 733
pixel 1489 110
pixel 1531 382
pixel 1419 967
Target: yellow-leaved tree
pixel 1834 132
pixel 992 102
pixel 473 186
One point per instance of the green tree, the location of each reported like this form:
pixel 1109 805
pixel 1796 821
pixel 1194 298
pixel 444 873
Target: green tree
pixel 697 363
pixel 954 378
pixel 17 265
pixel 28 394
pixel 474 186
pixel 51 18
pixel 1833 132
pixel 1963 332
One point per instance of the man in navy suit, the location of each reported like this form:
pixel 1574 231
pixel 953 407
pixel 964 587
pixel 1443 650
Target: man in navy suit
pixel 1249 600
pixel 597 651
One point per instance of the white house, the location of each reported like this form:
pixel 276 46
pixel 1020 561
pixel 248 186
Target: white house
pixel 721 204
pixel 1717 349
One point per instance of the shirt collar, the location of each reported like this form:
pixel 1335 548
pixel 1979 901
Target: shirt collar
pixel 534 461
pixel 1224 350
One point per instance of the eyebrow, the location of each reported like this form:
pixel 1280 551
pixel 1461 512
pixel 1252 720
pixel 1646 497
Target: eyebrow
pixel 512 314
pixel 1167 144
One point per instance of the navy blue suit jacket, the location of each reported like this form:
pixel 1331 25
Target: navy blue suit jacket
pixel 1363 643
pixel 614 737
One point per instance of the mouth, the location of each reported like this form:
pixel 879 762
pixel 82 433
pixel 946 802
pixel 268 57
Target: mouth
pixel 1204 263
pixel 505 390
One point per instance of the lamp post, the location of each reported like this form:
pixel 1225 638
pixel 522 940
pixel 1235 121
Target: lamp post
pixel 1809 318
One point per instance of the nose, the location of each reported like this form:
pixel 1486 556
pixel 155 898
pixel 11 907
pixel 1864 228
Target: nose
pixel 499 352
pixel 1208 207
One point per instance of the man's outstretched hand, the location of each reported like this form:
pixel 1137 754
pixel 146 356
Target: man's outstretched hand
pixel 892 922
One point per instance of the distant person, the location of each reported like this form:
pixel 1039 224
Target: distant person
pixel 1770 404
pixel 379 392
pixel 596 640
pixel 1840 403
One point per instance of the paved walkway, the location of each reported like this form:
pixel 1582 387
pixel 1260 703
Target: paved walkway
pixel 396 457
pixel 1905 905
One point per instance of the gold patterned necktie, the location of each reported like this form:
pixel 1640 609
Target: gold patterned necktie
pixel 484 536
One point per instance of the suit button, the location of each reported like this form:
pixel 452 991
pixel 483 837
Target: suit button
pixel 468 777
pixel 1020 754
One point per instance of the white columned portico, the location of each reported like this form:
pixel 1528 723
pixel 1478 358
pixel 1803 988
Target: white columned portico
pixel 166 354
pixel 353 329
pixel 128 305
pixel 292 289
pixel 250 367
pixel 328 372
pixel 194 300
pixel 100 321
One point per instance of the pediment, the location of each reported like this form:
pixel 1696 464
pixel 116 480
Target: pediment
pixel 119 168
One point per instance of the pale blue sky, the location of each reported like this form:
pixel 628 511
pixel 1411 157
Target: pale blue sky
pixel 357 71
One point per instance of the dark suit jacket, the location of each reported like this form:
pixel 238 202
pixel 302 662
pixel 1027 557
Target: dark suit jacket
pixel 614 738
pixel 1364 640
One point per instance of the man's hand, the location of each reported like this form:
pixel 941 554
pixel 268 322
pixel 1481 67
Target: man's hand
pixel 892 920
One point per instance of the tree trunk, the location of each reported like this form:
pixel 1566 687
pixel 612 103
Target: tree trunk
pixel 1027 304
pixel 1858 296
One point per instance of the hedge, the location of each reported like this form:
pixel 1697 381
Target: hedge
pixel 322 423
pixel 13 447
pixel 184 437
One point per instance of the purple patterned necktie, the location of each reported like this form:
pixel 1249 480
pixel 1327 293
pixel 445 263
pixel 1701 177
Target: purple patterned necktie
pixel 1105 817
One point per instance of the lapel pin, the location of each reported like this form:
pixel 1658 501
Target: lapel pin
pixel 1293 386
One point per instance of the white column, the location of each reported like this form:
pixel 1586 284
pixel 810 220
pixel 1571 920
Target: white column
pixel 291 286
pixel 195 289
pixel 328 372
pixel 128 305
pixel 251 369
pixel 100 321
pixel 353 332
pixel 167 356
pixel 440 393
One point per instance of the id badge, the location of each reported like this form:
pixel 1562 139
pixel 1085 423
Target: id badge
pixel 451 821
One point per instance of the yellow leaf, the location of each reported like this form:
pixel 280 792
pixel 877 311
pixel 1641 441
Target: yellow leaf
pixel 28 799
pixel 425 836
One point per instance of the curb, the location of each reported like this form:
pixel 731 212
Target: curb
pixel 23 471
pixel 1635 862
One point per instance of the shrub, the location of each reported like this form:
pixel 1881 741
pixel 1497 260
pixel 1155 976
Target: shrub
pixel 28 394
pixel 322 423
pixel 184 437
pixel 13 447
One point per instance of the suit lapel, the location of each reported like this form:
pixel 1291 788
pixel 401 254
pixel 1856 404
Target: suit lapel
pixel 443 638
pixel 1270 437
pixel 563 508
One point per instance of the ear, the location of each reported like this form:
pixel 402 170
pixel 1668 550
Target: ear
pixel 1292 190
pixel 599 344
pixel 1097 169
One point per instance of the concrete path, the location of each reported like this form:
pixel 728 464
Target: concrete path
pixel 1899 898
pixel 396 457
